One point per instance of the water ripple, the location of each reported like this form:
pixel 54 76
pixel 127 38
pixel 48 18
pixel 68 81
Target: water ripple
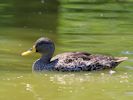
pixel 129 67
pixel 129 93
pixel 127 52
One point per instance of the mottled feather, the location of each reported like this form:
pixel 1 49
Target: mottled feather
pixel 77 61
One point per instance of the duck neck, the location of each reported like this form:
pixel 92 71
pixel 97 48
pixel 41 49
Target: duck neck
pixel 46 58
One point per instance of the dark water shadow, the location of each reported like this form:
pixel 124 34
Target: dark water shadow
pixel 38 14
pixel 97 10
pixel 98 2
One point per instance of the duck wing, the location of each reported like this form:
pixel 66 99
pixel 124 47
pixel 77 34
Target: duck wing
pixel 77 61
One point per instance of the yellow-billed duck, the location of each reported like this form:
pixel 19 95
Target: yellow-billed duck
pixel 69 61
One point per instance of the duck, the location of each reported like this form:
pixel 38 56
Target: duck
pixel 69 61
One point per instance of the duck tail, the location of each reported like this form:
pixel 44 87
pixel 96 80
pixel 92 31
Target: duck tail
pixel 120 59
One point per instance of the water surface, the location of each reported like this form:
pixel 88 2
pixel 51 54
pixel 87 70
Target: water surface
pixel 95 26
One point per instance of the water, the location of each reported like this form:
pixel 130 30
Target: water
pixel 95 26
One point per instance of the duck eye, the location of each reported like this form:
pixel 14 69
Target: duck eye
pixel 36 50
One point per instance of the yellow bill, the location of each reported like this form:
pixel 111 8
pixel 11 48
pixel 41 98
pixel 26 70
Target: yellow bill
pixel 32 50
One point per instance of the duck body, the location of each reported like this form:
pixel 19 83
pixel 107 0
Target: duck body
pixel 69 61
pixel 77 61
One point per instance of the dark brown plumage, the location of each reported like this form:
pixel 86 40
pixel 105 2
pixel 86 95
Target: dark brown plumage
pixel 70 61
pixel 76 61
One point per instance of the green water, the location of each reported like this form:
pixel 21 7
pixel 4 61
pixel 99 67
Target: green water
pixel 95 26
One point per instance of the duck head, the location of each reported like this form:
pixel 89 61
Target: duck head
pixel 43 46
